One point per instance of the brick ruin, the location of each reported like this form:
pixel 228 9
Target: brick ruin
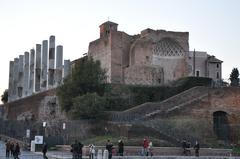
pixel 154 57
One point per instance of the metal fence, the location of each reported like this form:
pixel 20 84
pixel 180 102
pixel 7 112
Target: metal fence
pixel 54 132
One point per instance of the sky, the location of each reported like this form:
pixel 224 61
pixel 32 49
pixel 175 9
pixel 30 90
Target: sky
pixel 213 25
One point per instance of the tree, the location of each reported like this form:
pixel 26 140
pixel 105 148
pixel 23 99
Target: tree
pixel 234 77
pixel 88 106
pixel 5 96
pixel 86 77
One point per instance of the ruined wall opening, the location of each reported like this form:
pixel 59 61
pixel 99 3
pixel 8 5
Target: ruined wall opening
pixel 221 125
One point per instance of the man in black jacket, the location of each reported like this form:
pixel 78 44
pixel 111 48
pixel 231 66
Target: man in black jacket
pixel 109 147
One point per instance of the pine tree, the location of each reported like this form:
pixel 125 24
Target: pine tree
pixel 234 77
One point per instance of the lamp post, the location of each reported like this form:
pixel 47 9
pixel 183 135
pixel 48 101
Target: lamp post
pixel 44 128
pixel 64 128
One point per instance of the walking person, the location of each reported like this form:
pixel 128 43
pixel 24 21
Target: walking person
pixel 75 150
pixel 80 146
pixel 184 146
pixel 145 147
pixel 120 148
pixel 109 147
pixel 12 148
pixel 150 148
pixel 8 146
pixel 91 151
pixel 44 151
pixel 16 152
pixel 196 148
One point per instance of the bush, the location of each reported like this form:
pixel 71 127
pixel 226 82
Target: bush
pixel 88 106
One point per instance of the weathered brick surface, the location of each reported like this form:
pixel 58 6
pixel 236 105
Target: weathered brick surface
pixel 132 60
pixel 30 104
pixel 190 114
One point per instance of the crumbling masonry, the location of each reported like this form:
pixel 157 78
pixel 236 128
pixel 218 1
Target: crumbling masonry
pixel 38 72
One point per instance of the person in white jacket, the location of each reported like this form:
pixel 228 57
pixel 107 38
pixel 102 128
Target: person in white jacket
pixel 91 151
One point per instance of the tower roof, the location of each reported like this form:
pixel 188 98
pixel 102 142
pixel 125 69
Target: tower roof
pixel 108 23
pixel 213 59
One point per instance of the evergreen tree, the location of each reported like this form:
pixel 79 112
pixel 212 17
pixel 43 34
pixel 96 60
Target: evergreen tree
pixel 86 77
pixel 88 106
pixel 234 77
pixel 5 96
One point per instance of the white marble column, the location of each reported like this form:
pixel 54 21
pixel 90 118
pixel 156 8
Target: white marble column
pixel 38 68
pixel 32 71
pixel 51 61
pixel 59 63
pixel 20 77
pixel 15 78
pixel 44 65
pixel 10 83
pixel 26 74
pixel 67 67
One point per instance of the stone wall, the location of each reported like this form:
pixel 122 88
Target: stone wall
pixel 191 115
pixel 122 54
pixel 214 70
pixel 163 49
pixel 120 45
pixel 200 63
pixel 143 75
pixel 39 107
pixel 101 50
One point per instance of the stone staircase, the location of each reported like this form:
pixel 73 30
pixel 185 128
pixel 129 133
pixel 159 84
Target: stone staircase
pixel 152 109
pixel 144 114
pixel 174 108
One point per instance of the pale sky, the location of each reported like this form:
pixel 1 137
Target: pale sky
pixel 213 25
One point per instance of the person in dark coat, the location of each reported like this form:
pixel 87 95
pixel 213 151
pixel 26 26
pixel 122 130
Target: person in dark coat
pixel 80 146
pixel 44 151
pixel 109 147
pixel 16 152
pixel 196 148
pixel 120 148
pixel 8 146
pixel 12 148
pixel 184 146
pixel 75 150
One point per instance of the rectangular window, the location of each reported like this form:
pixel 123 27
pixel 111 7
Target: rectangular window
pixel 217 75
pixel 217 65
pixel 197 73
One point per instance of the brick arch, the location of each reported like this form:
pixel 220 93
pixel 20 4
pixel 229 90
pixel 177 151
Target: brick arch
pixel 221 125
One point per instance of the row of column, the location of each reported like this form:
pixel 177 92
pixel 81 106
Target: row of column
pixel 37 71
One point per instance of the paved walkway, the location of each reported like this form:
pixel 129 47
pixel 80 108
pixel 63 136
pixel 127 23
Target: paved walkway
pixel 67 155
pixel 24 154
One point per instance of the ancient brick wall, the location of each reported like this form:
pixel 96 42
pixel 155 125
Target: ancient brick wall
pixel 191 115
pixel 164 49
pixel 39 107
pixel 101 50
pixel 121 55
pixel 143 75
pixel 120 46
